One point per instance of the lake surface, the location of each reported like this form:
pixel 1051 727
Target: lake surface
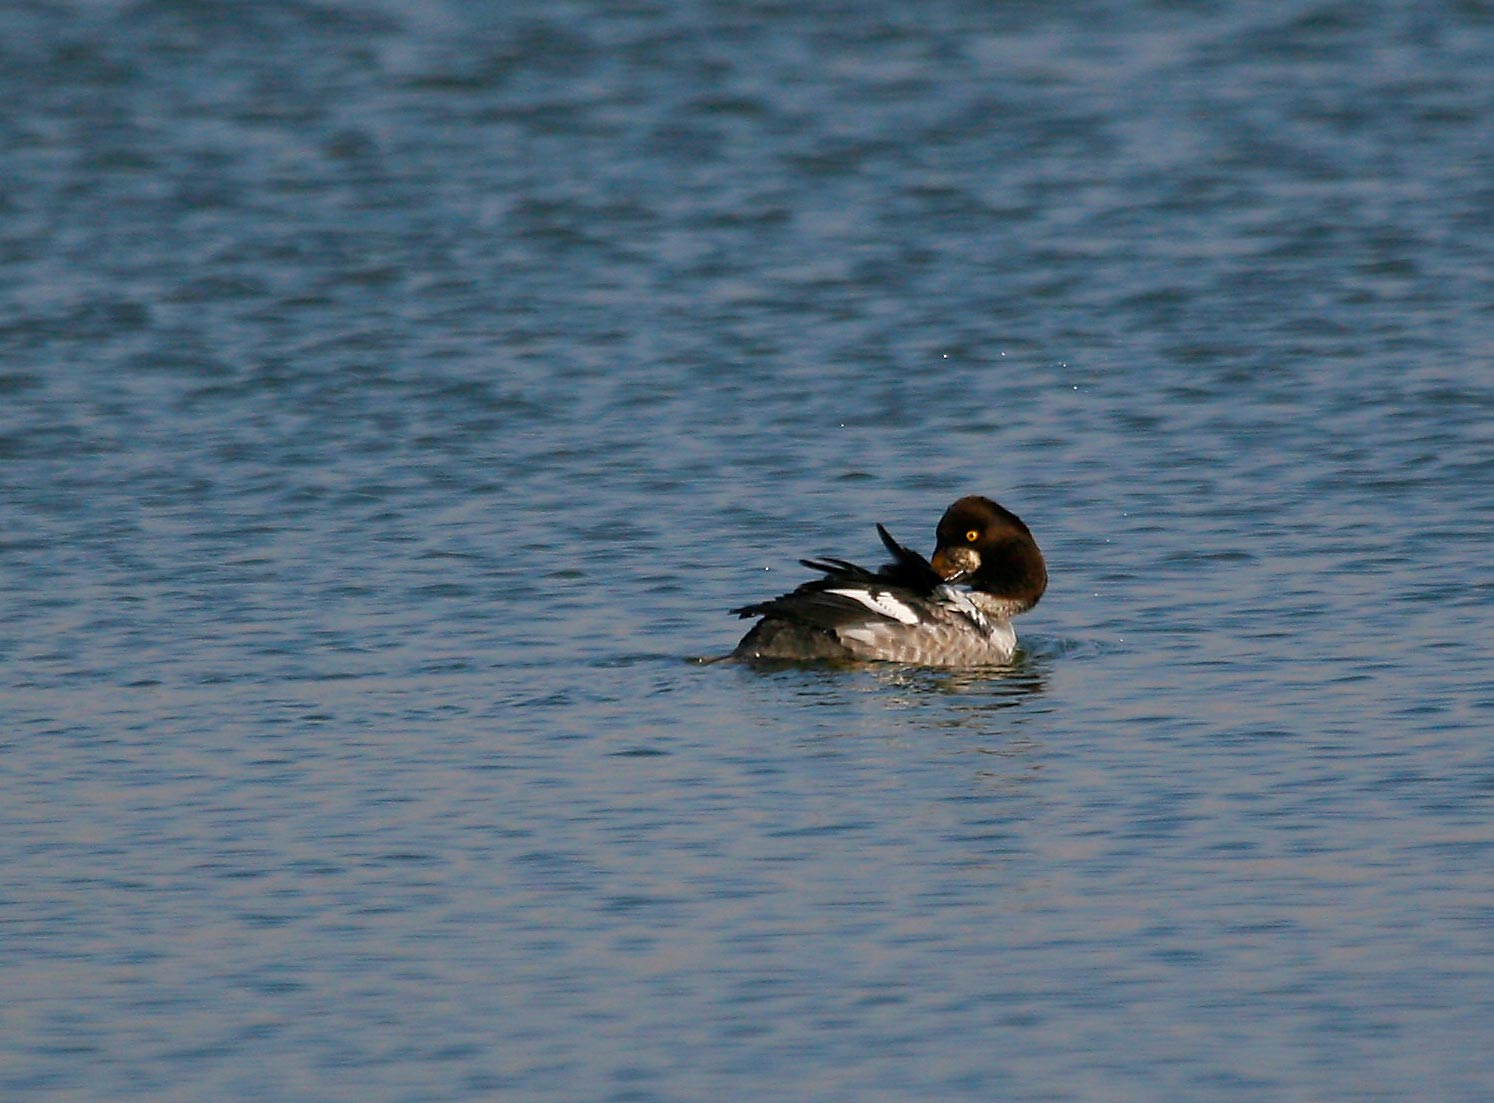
pixel 394 398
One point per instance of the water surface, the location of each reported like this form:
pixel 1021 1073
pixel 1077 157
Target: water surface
pixel 394 398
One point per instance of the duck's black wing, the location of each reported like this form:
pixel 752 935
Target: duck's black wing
pixel 907 569
pixel 849 595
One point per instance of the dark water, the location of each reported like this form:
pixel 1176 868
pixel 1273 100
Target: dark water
pixel 394 397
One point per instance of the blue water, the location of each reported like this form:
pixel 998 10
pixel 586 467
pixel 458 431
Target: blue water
pixel 395 397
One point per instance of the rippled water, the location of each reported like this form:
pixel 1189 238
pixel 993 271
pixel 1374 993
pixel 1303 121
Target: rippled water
pixel 393 398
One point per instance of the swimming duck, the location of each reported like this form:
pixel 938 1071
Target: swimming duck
pixel 912 610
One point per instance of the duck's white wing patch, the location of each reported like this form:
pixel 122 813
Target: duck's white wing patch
pixel 883 604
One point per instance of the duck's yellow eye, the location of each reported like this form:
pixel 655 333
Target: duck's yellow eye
pixel 972 536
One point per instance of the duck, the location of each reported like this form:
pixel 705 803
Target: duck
pixel 953 609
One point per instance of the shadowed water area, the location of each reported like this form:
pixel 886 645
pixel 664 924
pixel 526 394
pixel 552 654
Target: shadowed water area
pixel 395 396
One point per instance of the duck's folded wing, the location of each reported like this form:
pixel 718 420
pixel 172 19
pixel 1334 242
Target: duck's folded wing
pixel 843 599
pixel 850 596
